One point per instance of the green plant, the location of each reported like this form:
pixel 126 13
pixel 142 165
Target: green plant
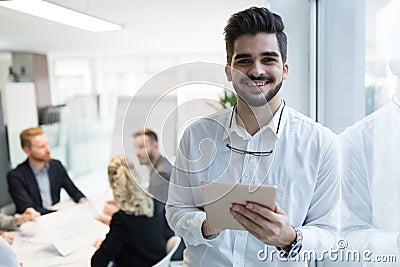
pixel 228 99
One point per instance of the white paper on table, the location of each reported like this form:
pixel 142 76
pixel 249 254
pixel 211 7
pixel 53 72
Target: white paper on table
pixel 72 229
pixel 31 244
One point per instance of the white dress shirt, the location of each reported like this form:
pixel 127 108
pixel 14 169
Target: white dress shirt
pixel 370 177
pixel 303 165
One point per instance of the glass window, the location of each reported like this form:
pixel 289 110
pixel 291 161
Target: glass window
pixel 382 47
pixel 357 41
pixel 72 78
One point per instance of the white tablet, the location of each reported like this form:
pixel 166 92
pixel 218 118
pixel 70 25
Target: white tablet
pixel 219 197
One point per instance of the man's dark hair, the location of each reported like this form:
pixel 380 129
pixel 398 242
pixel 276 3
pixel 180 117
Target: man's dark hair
pixel 146 131
pixel 252 21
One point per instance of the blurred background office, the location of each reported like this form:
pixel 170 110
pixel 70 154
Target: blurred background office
pixel 77 84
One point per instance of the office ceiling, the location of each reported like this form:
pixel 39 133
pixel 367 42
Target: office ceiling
pixel 156 27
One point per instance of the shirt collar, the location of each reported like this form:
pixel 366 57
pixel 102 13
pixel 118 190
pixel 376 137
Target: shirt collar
pixel 36 172
pixel 232 125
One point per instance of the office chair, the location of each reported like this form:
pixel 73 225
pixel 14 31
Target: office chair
pixel 172 245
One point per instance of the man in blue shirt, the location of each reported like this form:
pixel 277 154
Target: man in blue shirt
pixel 36 183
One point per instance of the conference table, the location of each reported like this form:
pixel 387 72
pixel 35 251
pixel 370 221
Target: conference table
pixel 63 238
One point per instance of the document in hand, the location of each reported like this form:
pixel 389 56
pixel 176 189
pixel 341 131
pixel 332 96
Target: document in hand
pixel 72 229
pixel 219 197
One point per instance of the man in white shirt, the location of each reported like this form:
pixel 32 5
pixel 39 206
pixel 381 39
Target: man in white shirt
pixel 259 141
pixel 370 182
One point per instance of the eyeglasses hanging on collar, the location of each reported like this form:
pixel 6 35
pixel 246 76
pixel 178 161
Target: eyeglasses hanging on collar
pixel 254 153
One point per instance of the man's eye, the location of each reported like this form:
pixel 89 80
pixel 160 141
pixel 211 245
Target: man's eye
pixel 243 61
pixel 269 59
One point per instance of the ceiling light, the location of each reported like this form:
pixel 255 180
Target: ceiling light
pixel 45 10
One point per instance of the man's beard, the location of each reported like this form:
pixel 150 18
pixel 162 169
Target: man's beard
pixel 259 101
pixel 272 93
pixel 45 158
pixel 148 159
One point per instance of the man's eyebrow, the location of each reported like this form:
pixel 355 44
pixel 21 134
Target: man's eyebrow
pixel 239 56
pixel 264 54
pixel 270 54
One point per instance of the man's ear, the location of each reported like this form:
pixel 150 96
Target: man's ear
pixel 285 71
pixel 27 150
pixel 228 73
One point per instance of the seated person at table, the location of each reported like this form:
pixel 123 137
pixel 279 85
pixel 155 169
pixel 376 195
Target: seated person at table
pixel 137 236
pixel 8 222
pixel 36 183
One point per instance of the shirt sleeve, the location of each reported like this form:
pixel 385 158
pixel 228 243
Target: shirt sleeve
pixel 8 222
pixel 8 257
pixel 356 211
pixel 321 223
pixel 182 214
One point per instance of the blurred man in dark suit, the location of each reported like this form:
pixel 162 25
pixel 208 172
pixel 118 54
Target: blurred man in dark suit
pixel 36 183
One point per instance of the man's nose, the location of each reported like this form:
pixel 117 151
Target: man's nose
pixel 256 69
